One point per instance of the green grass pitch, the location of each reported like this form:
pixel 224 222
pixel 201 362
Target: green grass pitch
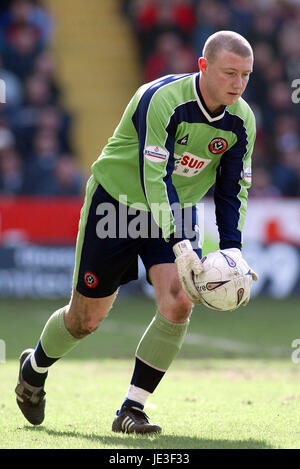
pixel 233 385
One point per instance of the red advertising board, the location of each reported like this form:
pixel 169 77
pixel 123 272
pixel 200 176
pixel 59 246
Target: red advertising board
pixel 39 220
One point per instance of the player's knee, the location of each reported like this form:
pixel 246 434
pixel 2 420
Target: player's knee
pixel 176 306
pixel 182 306
pixel 84 327
pixel 82 321
pixel 83 315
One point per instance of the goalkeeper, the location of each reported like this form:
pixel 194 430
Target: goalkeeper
pixel 178 136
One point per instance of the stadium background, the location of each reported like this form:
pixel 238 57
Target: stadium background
pixel 69 73
pixel 70 69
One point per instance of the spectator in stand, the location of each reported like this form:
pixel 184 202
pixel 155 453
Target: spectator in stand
pixel 183 60
pixel 45 67
pixel 20 12
pixel 264 59
pixel 278 102
pixel 53 119
pixel 35 142
pixel 69 180
pixel 212 16
pixel 241 15
pixel 265 23
pixel 274 30
pixel 289 40
pixel 40 166
pixel 7 138
pixel 38 92
pixel 286 173
pixel 21 48
pixel 171 55
pixel 26 118
pixel 262 185
pixel 176 15
pixel 13 89
pixel 286 131
pixel 11 172
pixel 150 18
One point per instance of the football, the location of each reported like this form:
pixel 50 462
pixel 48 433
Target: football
pixel 225 282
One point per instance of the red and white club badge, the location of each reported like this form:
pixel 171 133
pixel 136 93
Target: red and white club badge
pixel 218 145
pixel 90 280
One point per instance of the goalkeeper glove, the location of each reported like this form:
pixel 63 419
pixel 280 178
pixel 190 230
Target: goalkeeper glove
pixel 253 274
pixel 188 264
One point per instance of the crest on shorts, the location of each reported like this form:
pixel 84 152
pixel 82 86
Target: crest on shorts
pixel 218 145
pixel 90 280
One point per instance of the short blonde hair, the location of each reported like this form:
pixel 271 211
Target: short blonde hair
pixel 226 40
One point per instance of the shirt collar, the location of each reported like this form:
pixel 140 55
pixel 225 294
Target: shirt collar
pixel 211 117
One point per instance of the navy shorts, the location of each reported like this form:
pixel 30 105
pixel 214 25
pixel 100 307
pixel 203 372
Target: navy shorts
pixel 110 238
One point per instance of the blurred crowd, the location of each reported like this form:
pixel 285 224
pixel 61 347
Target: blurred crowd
pixel 36 151
pixel 170 36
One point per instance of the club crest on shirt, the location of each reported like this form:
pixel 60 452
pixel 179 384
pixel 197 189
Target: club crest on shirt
pixel 218 145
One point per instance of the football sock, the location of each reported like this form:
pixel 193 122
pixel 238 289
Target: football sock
pixel 55 342
pixel 33 373
pixel 161 342
pixel 155 353
pixel 135 397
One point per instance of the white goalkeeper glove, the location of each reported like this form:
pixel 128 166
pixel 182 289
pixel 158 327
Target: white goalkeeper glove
pixel 188 264
pixel 253 274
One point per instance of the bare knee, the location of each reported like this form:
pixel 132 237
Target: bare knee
pixel 176 306
pixel 84 315
pixel 80 327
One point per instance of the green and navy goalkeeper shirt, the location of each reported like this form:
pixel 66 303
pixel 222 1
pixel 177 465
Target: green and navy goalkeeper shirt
pixel 168 148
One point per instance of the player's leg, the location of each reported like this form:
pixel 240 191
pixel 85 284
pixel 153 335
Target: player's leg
pixel 99 271
pixel 165 334
pixel 62 332
pixel 158 347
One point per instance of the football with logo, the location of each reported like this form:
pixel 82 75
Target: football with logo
pixel 225 282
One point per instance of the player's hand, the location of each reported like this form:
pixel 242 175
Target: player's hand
pixel 253 274
pixel 188 264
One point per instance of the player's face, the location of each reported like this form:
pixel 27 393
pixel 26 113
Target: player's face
pixel 225 78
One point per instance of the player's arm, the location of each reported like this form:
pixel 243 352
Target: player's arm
pixel 231 191
pixel 233 180
pixel 156 127
pixel 156 131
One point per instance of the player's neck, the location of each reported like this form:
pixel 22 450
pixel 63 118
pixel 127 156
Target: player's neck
pixel 212 106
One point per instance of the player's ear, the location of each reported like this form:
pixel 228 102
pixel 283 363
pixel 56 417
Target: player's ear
pixel 202 64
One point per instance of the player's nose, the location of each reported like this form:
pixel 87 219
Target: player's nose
pixel 238 83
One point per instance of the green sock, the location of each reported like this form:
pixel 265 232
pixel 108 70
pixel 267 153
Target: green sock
pixel 56 340
pixel 161 342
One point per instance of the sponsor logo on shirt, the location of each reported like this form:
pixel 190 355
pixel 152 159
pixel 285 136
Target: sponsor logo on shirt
pixel 217 145
pixel 155 154
pixel 189 165
pixel 246 174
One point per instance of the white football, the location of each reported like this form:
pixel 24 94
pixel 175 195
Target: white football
pixel 225 282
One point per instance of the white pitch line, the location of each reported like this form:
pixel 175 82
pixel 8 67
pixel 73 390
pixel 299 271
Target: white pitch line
pixel 220 343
